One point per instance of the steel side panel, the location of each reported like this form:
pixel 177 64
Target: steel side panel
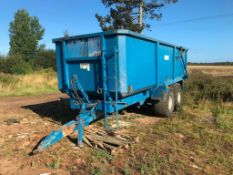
pixel 140 63
pixel 112 63
pixel 59 67
pixel 75 61
pixel 123 79
pixel 179 70
pixel 137 62
pixel 165 64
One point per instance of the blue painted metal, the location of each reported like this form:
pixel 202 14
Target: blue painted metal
pixel 104 79
pixel 56 136
pixel 112 70
pixel 85 117
pixel 84 95
pixel 141 62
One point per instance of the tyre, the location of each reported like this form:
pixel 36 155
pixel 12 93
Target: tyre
pixel 165 107
pixel 178 93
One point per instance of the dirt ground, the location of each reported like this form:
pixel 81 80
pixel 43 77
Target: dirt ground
pixel 26 120
pixel 20 129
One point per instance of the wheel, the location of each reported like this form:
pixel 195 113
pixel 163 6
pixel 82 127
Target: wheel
pixel 178 93
pixel 165 107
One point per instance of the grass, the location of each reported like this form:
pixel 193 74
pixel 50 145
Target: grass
pixel 196 140
pixel 55 164
pixel 37 83
pixel 206 87
pixel 102 155
pixel 184 144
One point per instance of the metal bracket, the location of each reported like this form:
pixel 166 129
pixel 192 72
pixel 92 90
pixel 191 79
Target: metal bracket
pixel 76 84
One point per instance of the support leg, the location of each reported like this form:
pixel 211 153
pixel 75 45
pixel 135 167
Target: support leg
pixel 105 117
pixel 56 136
pixel 80 132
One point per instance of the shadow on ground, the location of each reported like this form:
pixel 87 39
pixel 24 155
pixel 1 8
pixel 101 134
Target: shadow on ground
pixel 58 110
pixel 143 110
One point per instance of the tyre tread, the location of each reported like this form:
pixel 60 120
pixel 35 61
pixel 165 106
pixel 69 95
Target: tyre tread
pixel 161 107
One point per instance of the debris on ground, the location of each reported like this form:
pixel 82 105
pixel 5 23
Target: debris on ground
pixel 108 141
pixel 45 173
pixel 11 121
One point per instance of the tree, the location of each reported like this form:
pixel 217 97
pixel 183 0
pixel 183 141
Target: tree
pixel 46 58
pixel 129 14
pixel 25 34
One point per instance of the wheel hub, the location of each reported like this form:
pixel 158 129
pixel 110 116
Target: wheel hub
pixel 170 103
pixel 178 97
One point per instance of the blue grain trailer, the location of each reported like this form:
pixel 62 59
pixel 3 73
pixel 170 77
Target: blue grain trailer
pixel 106 72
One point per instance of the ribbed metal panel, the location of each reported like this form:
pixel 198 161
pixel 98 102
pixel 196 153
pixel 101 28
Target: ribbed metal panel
pixel 88 47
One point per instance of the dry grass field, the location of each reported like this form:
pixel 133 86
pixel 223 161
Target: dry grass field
pixel 196 140
pixel 37 83
pixel 213 70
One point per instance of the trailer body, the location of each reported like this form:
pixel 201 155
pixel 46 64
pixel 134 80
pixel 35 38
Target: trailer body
pixel 109 71
pixel 135 66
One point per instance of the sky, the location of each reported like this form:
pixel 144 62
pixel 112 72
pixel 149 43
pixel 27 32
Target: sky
pixel 208 40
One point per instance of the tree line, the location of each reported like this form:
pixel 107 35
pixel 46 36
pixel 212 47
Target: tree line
pixel 25 32
pixel 26 54
pixel 226 63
